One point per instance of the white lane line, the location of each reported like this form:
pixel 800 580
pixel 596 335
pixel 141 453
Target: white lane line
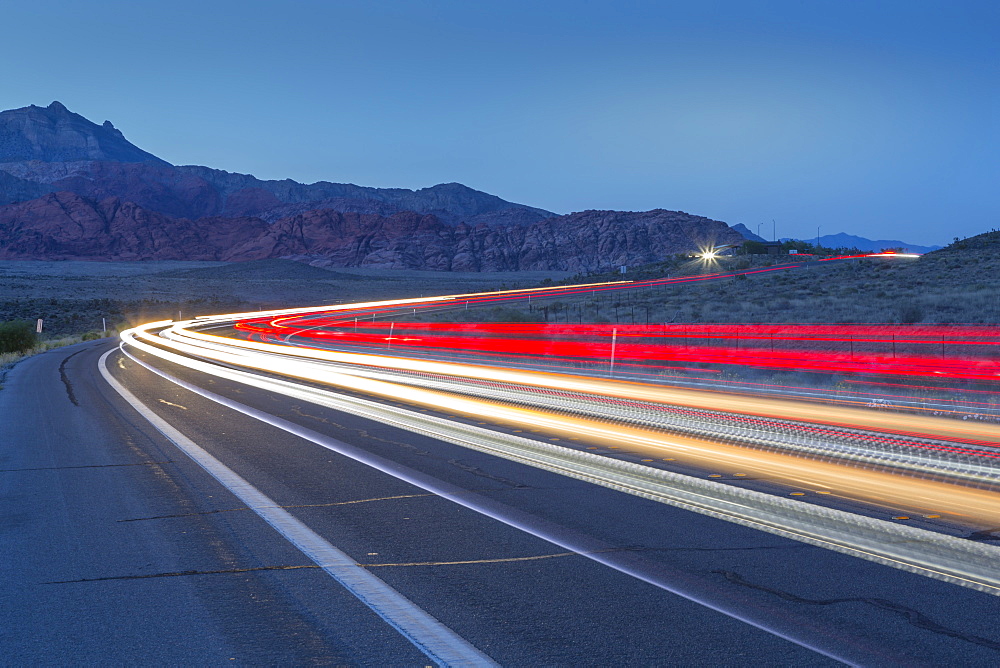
pixel 437 641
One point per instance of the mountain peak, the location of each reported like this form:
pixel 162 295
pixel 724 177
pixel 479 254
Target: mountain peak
pixel 56 134
pixel 747 232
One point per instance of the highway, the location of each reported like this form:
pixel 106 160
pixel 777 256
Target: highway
pixel 188 499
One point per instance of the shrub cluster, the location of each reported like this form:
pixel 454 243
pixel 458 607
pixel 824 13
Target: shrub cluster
pixel 16 336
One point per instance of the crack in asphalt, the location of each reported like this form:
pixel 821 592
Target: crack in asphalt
pixel 84 466
pixel 65 378
pixel 475 470
pixel 751 548
pixel 175 574
pixel 498 560
pixel 304 505
pixel 913 617
pixel 236 571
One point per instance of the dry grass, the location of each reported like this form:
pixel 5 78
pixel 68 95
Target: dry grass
pixel 72 297
pixel 957 284
pixel 8 360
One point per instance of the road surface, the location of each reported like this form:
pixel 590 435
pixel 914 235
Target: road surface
pixel 120 548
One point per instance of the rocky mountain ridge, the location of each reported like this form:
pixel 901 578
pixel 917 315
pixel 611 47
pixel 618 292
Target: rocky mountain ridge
pixel 65 225
pixel 71 189
pixel 56 134
pixel 50 149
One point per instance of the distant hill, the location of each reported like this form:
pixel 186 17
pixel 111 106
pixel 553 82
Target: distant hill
pixel 747 234
pixel 842 240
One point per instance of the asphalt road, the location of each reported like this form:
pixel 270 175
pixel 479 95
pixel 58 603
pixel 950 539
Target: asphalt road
pixel 118 548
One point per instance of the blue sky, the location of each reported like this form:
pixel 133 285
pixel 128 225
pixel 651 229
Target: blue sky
pixel 873 118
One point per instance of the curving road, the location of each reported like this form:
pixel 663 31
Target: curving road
pixel 170 510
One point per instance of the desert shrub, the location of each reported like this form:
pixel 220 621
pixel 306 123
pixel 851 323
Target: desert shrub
pixel 910 313
pixel 16 335
pixel 507 314
pixel 92 336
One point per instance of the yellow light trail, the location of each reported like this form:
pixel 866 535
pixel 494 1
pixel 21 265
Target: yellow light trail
pixel 948 558
pixel 960 503
pixel 935 427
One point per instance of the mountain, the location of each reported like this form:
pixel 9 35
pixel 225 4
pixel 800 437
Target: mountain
pixel 64 225
pixel 195 192
pixel 242 194
pixel 70 188
pixel 49 149
pixel 13 189
pixel 55 134
pixel 842 240
pixel 746 233
pixel 586 241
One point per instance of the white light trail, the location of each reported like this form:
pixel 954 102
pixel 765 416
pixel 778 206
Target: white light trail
pixel 935 555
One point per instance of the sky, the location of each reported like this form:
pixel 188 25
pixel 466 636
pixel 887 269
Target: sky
pixel 875 118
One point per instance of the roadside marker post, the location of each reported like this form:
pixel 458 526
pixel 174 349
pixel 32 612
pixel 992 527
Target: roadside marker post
pixel 614 340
